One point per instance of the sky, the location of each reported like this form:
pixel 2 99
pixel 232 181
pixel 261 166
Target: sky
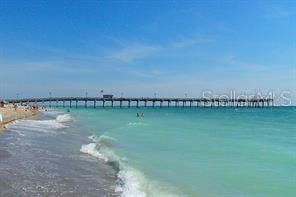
pixel 142 48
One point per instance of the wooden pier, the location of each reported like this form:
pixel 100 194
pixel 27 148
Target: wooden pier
pixel 143 102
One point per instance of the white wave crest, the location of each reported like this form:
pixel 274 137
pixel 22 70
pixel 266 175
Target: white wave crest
pixel 64 118
pixel 102 139
pixel 91 150
pixel 127 183
pixel 131 186
pixel 93 138
pixel 42 126
pixel 46 126
pixel 130 182
pixel 136 184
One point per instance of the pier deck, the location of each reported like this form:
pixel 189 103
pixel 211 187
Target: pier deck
pixel 144 102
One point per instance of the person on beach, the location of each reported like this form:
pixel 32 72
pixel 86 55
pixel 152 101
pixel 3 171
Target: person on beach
pixel 1 103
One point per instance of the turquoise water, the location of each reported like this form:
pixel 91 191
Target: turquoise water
pixel 196 152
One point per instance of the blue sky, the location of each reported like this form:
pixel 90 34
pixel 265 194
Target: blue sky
pixel 143 47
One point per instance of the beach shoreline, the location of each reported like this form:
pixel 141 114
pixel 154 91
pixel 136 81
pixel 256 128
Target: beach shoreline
pixel 48 148
pixel 11 113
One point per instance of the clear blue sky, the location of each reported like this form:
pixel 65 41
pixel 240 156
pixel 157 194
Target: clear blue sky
pixel 142 47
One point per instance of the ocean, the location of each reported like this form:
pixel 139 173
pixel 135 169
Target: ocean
pixel 167 152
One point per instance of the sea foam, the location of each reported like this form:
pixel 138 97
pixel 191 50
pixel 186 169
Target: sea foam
pixel 91 150
pixel 44 126
pixel 127 182
pixel 130 182
pixel 64 118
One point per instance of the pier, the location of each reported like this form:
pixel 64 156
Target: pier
pixel 143 102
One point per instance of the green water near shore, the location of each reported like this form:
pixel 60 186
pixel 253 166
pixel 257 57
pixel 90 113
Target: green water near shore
pixel 200 151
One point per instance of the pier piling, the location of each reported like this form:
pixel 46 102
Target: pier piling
pixel 200 102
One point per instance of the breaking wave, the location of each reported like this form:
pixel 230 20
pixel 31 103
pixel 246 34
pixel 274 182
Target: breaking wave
pixel 64 118
pixel 130 181
pixel 42 126
pixel 91 150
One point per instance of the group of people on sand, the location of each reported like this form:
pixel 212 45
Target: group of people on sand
pixel 18 111
pixel 140 114
pixel 35 108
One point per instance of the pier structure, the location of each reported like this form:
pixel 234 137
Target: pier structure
pixel 144 102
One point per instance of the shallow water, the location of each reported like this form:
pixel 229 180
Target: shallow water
pixel 42 158
pixel 168 152
pixel 197 152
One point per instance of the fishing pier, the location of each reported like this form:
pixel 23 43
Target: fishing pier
pixel 143 102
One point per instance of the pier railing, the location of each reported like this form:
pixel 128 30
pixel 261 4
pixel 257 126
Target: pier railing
pixel 144 102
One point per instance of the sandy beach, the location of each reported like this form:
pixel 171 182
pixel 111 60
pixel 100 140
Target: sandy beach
pixel 10 114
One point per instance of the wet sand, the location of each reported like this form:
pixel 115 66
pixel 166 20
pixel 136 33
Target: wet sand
pixel 42 158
